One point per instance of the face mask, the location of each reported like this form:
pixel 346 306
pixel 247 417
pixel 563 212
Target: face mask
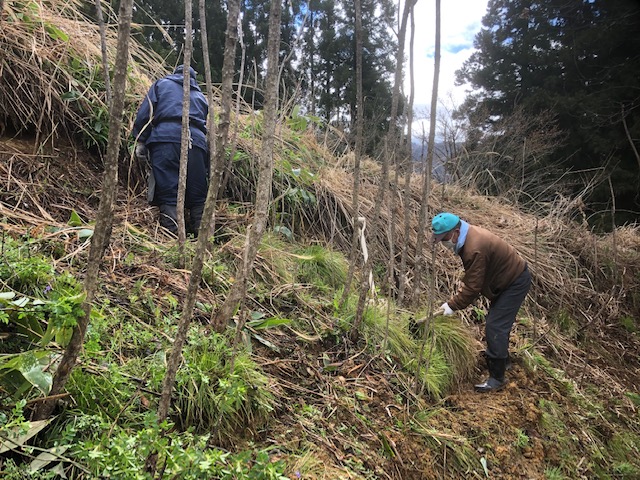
pixel 449 244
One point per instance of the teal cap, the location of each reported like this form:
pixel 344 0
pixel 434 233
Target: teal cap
pixel 442 224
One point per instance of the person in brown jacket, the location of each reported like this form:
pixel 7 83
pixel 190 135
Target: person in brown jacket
pixel 494 269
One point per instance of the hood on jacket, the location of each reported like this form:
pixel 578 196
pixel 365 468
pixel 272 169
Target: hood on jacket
pixel 180 69
pixel 177 76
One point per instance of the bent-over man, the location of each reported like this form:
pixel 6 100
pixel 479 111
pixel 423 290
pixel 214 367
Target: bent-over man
pixel 494 269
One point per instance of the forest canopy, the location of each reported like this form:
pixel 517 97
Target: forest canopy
pixel 575 64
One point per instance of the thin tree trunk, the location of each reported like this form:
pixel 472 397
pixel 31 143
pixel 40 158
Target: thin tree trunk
pixel 390 142
pixel 426 186
pixel 185 141
pixel 408 172
pixel 102 231
pixel 419 386
pixel 629 138
pixel 103 47
pixel 211 125
pixel 355 203
pixel 207 216
pixel 395 98
pixel 265 174
pixel 234 144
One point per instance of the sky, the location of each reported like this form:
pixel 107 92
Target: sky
pixel 460 21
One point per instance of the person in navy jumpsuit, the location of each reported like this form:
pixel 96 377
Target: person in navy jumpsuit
pixel 158 131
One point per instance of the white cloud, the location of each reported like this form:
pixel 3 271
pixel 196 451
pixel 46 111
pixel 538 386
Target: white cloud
pixel 460 21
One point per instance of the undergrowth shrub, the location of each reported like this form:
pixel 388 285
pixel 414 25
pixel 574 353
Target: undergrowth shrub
pixel 448 353
pixel 38 309
pixel 93 446
pixel 105 391
pixel 275 263
pixel 212 398
pixel 321 267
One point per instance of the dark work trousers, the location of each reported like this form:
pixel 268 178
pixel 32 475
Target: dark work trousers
pixel 502 314
pixel 165 161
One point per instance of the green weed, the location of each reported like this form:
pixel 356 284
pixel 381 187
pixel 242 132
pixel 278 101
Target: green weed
pixel 628 323
pixel 100 449
pixel 522 440
pixel 554 473
pixel 448 352
pixel 321 267
pixel 211 398
pixel 566 323
pixel 38 310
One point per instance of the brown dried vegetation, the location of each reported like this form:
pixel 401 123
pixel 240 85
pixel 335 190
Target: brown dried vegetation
pixel 576 360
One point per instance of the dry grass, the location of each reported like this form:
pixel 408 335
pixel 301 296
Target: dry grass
pixel 51 79
pixel 571 265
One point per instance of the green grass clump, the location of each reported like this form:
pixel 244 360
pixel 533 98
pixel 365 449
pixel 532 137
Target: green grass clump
pixel 456 343
pixel 321 267
pixel 448 350
pixel 554 473
pixel 212 398
pixel 105 391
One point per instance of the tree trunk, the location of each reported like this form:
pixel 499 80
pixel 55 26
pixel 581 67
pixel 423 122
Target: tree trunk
pixel 102 231
pixel 265 174
pixel 207 216
pixel 185 137
pixel 424 210
pixel 211 126
pixel 353 254
pixel 103 48
pixel 419 386
pixel 384 178
pixel 408 172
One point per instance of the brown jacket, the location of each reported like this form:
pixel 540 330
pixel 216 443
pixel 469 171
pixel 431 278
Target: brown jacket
pixel 490 266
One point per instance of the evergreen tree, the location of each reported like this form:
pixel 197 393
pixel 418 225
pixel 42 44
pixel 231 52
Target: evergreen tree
pixel 329 63
pixel 318 67
pixel 162 29
pixel 577 58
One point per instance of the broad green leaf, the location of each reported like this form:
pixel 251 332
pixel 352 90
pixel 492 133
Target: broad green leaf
pixel 70 95
pixel 63 336
pixel 32 370
pixel 55 33
pixel 85 233
pixel 261 324
pixel 266 343
pixel 9 362
pixel 75 220
pixel 48 335
pixel 283 230
pixel 21 302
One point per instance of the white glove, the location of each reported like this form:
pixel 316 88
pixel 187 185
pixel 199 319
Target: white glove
pixel 446 309
pixel 142 152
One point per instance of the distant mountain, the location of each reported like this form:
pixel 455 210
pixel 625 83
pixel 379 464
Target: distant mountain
pixel 419 154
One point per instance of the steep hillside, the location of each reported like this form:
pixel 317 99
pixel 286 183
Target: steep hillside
pixel 290 395
pixel 324 407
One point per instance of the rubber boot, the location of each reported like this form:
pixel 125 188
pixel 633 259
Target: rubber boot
pixel 168 218
pixel 508 366
pixel 496 380
pixel 195 214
